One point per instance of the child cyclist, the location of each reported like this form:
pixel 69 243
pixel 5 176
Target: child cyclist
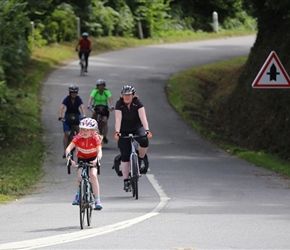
pixel 89 149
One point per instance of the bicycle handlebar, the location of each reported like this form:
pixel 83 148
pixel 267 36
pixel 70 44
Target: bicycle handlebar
pixel 82 164
pixel 132 136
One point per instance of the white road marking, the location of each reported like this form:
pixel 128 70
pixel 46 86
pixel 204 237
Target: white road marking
pixel 84 234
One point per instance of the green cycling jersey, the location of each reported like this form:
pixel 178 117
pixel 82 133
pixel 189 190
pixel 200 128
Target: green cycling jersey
pixel 100 98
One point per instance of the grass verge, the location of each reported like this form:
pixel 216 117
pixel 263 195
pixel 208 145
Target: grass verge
pixel 204 89
pixel 22 154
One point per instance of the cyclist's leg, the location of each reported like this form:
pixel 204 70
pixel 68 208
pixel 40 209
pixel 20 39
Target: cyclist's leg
pixel 96 188
pixel 125 150
pixel 87 59
pixel 95 181
pixel 77 196
pixel 143 142
pixel 105 127
pixel 105 119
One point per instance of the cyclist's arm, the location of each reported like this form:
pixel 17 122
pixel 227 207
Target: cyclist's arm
pixel 100 152
pixel 69 148
pixel 60 111
pixel 118 119
pixel 83 110
pixel 111 101
pixel 143 117
pixel 90 101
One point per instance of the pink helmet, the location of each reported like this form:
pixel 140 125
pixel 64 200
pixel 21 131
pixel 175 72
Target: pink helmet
pixel 88 123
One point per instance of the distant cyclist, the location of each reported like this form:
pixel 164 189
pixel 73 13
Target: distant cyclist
pixel 130 117
pixel 98 102
pixel 84 45
pixel 75 110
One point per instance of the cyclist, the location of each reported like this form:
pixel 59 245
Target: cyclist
pixel 75 110
pixel 100 96
pixel 130 117
pixel 89 149
pixel 84 45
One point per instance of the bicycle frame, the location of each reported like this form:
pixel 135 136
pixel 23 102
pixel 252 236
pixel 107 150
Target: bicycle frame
pixel 134 146
pixel 86 196
pixel 134 164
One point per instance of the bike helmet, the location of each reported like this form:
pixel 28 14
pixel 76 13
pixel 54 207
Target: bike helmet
pixel 88 123
pixel 127 89
pixel 100 82
pixel 73 89
pixel 85 34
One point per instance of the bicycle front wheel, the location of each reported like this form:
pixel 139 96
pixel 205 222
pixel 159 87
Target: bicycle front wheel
pixel 135 177
pixel 90 202
pixel 82 203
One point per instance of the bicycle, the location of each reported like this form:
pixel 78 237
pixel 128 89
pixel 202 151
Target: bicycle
pixel 86 195
pixel 98 112
pixel 134 164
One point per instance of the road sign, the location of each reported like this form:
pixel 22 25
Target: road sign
pixel 272 74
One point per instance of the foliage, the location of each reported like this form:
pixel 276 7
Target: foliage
pixel 125 23
pixel 211 86
pixel 61 25
pixel 242 21
pixel 105 16
pixel 153 15
pixel 14 50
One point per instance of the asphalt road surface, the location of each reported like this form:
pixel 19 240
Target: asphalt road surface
pixel 195 196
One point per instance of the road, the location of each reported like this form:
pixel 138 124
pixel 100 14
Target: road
pixel 195 195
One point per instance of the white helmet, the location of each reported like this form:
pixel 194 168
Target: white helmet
pixel 88 123
pixel 85 34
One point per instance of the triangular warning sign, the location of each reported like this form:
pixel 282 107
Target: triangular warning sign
pixel 272 74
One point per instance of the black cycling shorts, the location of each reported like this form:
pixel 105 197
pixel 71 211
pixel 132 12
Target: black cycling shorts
pixel 125 145
pixel 102 110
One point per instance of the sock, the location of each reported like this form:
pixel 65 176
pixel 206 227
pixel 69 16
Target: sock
pixel 97 199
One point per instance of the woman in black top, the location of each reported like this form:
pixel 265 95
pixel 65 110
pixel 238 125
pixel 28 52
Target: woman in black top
pixel 130 117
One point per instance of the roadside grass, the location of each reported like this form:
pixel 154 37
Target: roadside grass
pixel 22 154
pixel 206 87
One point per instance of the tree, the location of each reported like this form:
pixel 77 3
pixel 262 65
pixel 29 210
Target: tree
pixel 14 30
pixel 264 114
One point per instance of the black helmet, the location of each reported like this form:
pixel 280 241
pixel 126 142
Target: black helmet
pixel 127 89
pixel 100 82
pixel 73 89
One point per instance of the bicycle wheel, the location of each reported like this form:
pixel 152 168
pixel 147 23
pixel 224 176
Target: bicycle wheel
pixel 82 203
pixel 89 208
pixel 135 177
